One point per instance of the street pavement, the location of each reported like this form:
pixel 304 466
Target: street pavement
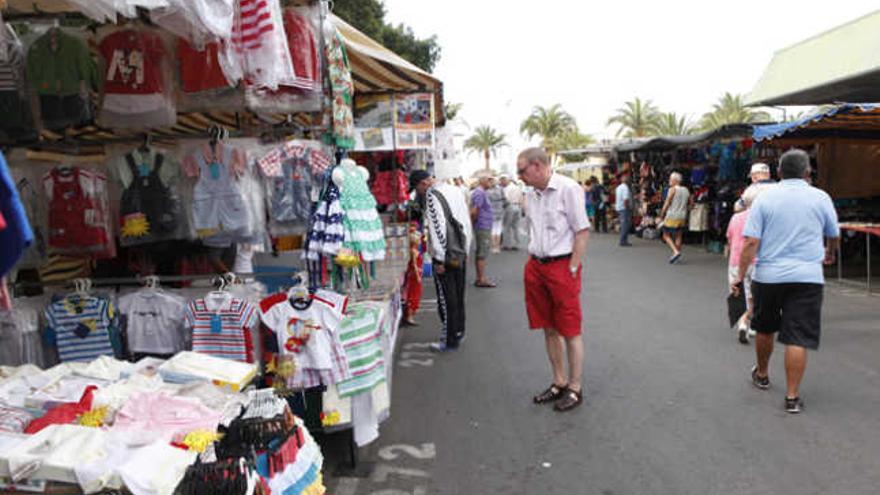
pixel 669 408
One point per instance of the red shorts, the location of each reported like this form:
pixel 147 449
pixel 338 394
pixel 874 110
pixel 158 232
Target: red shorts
pixel 553 297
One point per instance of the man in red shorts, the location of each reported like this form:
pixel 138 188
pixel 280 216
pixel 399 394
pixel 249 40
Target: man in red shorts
pixel 559 233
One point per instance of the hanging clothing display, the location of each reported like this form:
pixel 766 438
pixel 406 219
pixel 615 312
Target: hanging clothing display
pixel 78 212
pixel 292 171
pixel 153 321
pixel 16 235
pixel 361 334
pixel 82 327
pixel 340 117
pixel 61 71
pixel 218 204
pixel 149 210
pixel 312 151
pixel 303 92
pixel 391 187
pixel 327 231
pixel 29 196
pixel 136 93
pixel 363 227
pixel 221 326
pixel 259 53
pixel 14 104
pixel 308 330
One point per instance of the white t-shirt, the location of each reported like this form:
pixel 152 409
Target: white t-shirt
pixel 155 321
pixel 323 316
pixel 621 194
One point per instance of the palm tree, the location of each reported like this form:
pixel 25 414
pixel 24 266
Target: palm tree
pixel 571 140
pixel 671 124
pixel 485 140
pixel 636 119
pixel 730 109
pixel 548 123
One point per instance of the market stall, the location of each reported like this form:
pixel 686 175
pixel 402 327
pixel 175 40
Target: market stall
pixel 155 146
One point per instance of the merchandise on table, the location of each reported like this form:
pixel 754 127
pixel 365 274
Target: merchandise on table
pixel 163 439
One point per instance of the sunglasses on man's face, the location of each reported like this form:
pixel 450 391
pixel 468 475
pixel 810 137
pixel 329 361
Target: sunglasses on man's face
pixel 521 171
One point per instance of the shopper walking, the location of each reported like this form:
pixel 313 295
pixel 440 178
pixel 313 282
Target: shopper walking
pixel 481 213
pixel 560 230
pixel 785 229
pixel 600 199
pixel 623 205
pixel 760 177
pixel 510 237
pixel 448 222
pixel 499 205
pixel 588 200
pixel 674 215
pixel 735 242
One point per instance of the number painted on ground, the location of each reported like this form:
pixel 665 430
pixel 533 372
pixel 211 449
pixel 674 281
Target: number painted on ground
pixel 426 451
pixel 417 345
pixel 383 471
pixel 419 490
pixel 414 354
pixel 409 363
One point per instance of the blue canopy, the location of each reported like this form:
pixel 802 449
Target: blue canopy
pixel 857 117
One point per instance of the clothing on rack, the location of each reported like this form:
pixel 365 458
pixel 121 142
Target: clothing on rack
pixel 78 212
pixel 61 71
pixel 153 320
pixel 218 203
pixel 221 326
pixel 360 335
pixel 149 209
pixel 391 187
pixel 339 115
pixel 326 232
pixel 14 103
pixel 309 330
pixel 82 327
pixel 363 227
pixel 136 93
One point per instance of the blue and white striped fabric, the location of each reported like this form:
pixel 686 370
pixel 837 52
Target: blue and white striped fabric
pixel 82 327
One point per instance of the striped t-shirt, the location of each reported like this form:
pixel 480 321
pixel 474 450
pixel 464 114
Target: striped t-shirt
pixel 222 330
pixel 81 327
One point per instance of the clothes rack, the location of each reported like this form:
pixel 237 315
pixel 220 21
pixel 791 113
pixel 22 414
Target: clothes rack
pixel 138 281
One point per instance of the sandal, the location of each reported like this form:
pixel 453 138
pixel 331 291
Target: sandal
pixel 553 393
pixel 485 285
pixel 569 400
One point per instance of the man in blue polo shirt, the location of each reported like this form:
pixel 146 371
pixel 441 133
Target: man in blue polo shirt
pixel 787 229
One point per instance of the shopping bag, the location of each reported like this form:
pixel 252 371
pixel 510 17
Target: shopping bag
pixel 736 305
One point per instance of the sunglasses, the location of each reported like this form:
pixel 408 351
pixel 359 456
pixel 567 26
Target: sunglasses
pixel 521 171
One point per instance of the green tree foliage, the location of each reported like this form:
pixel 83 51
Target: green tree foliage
pixel 487 141
pixel 637 118
pixel 451 110
pixel 730 109
pixel 368 16
pixel 672 124
pixel 550 124
pixel 572 140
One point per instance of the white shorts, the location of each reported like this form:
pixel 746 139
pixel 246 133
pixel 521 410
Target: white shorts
pixel 497 226
pixel 733 273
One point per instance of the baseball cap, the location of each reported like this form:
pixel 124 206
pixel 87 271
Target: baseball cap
pixel 759 168
pixel 417 176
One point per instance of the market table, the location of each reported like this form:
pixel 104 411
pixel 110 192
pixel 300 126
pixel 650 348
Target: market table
pixel 868 229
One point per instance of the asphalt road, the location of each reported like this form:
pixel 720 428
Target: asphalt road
pixel 669 407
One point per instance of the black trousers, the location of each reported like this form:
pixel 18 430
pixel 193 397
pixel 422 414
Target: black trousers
pixel 601 220
pixel 450 303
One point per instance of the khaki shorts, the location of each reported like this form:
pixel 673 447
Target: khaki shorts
pixel 484 243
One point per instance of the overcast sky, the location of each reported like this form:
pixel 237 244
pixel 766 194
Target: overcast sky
pixel 500 58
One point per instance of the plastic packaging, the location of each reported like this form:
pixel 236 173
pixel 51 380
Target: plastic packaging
pixel 259 48
pixel 304 93
pixel 137 80
pixel 150 206
pixel 204 84
pixel 78 213
pixel 198 21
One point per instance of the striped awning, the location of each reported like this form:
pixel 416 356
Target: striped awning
pixel 845 120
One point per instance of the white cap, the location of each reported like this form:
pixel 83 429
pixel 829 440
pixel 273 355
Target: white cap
pixel 760 168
